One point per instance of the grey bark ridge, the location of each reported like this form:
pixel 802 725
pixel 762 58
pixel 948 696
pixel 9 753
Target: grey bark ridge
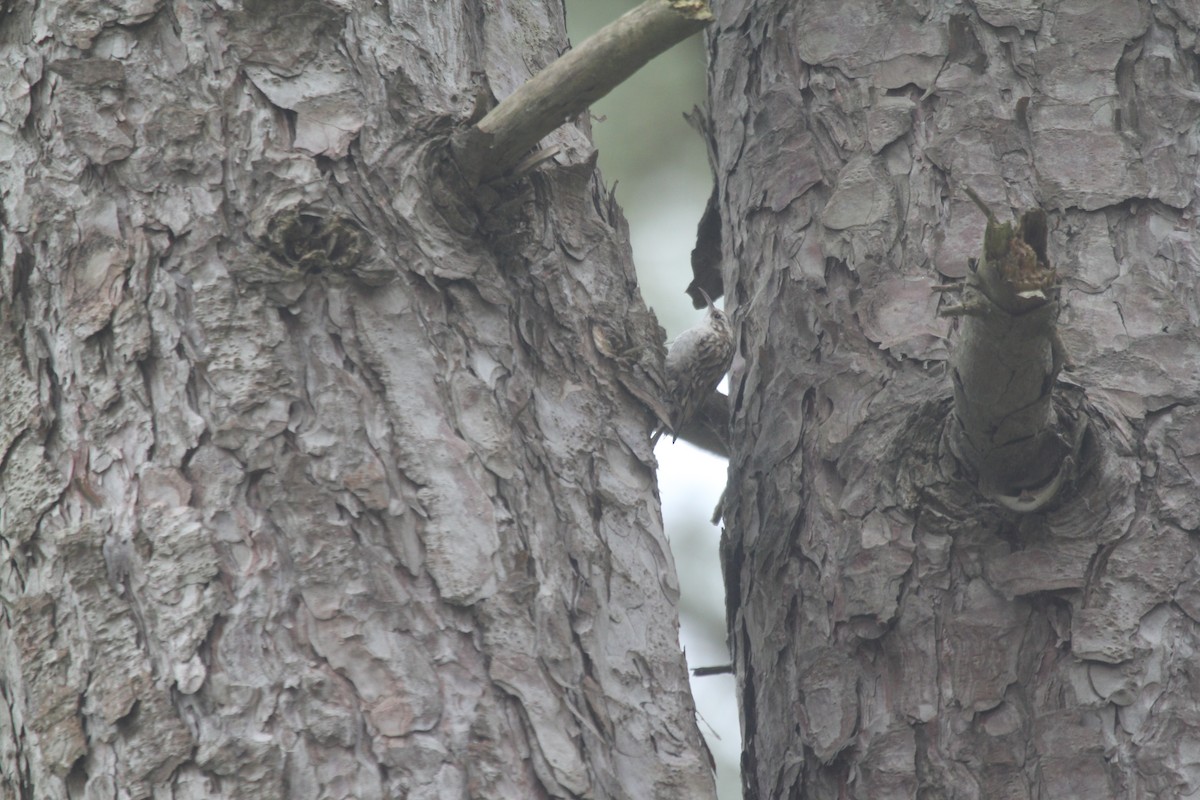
pixel 894 633
pixel 316 478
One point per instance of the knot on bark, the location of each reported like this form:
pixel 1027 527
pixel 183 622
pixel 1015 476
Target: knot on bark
pixel 312 242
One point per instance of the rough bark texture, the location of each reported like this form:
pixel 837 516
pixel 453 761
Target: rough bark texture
pixel 895 634
pixel 319 476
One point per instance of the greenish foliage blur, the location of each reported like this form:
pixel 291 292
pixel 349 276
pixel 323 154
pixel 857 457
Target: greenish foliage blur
pixel 656 160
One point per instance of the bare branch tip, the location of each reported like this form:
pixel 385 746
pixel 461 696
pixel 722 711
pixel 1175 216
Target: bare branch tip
pixel 698 10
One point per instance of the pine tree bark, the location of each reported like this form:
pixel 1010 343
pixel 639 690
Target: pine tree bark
pixel 322 472
pixel 896 632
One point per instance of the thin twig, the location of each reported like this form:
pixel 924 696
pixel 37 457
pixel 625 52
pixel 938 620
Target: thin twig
pixel 702 672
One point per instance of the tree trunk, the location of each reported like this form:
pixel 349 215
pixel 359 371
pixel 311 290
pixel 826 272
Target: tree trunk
pixel 897 632
pixel 322 473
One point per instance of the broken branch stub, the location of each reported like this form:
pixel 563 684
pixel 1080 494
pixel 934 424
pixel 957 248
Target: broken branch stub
pixel 580 77
pixel 1005 364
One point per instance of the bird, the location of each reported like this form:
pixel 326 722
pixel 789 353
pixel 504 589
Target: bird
pixel 696 361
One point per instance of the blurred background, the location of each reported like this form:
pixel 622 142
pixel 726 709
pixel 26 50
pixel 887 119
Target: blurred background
pixel 660 169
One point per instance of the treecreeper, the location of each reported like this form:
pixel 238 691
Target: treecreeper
pixel 696 361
